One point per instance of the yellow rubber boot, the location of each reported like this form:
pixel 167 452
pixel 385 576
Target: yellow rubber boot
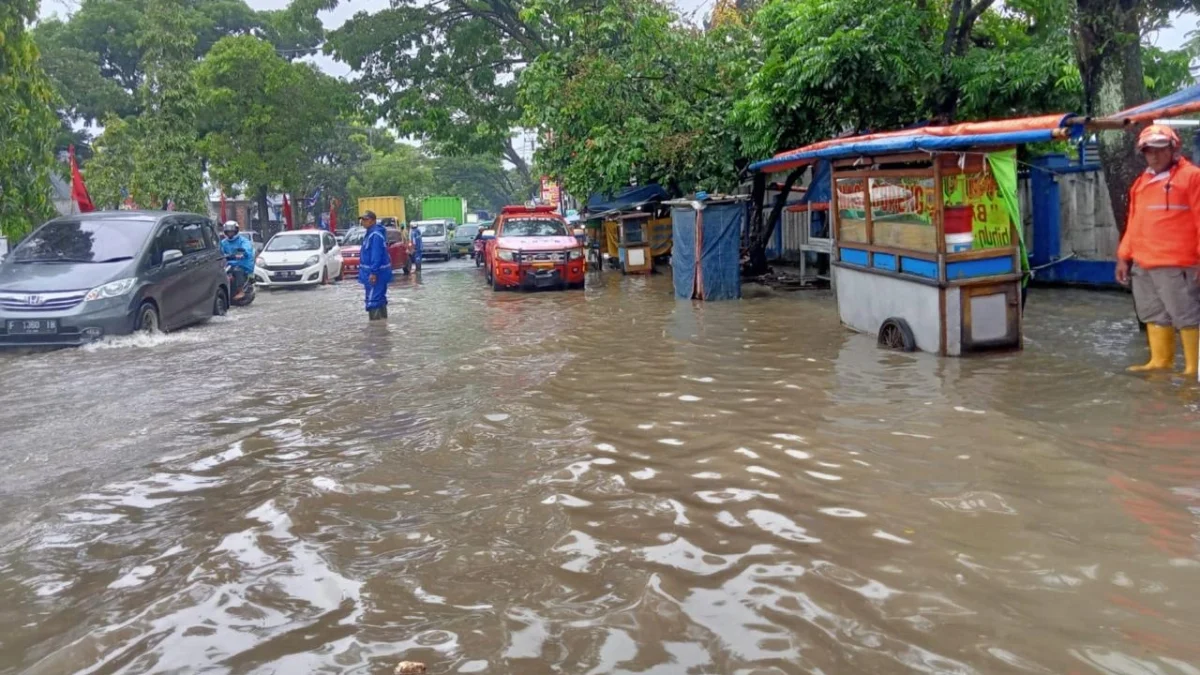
pixel 1191 349
pixel 1162 348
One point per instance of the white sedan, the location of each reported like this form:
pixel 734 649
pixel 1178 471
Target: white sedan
pixel 298 258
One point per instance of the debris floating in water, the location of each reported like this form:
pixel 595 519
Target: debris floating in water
pixel 410 668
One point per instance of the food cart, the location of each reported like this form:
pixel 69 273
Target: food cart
pixel 633 245
pixel 927 251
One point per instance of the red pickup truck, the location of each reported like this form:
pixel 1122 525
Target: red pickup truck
pixel 352 245
pixel 534 247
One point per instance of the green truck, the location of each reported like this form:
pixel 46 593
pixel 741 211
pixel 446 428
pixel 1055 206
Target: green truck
pixel 450 208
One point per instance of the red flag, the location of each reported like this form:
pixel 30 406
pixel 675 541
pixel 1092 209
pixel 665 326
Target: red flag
pixel 223 205
pixel 79 191
pixel 333 204
pixel 287 213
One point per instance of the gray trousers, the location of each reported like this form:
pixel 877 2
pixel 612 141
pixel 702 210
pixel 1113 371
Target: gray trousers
pixel 1167 296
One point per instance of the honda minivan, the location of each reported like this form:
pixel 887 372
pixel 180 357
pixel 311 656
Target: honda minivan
pixel 83 277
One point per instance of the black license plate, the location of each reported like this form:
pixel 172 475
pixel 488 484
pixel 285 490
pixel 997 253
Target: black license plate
pixel 287 276
pixel 32 326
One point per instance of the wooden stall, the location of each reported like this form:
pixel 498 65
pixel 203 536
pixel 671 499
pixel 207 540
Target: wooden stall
pixel 633 245
pixel 925 255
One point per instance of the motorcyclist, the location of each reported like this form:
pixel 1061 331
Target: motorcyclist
pixel 239 253
pixel 374 267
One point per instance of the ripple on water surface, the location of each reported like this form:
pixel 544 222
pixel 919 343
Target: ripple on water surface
pixel 606 481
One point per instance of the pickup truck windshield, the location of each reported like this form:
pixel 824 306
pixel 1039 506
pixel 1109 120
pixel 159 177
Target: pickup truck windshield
pixel 533 227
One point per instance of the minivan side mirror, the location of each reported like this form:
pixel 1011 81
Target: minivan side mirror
pixel 171 254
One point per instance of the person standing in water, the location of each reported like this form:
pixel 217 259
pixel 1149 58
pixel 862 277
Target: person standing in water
pixel 1160 251
pixel 375 267
pixel 418 248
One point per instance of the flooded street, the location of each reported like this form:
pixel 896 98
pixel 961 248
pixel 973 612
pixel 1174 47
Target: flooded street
pixel 596 482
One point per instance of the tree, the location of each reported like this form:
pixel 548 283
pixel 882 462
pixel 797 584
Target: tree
pixel 633 95
pixel 96 60
pixel 27 118
pixel 112 163
pixel 166 164
pixel 1108 40
pixel 266 119
pixel 446 73
pixel 402 171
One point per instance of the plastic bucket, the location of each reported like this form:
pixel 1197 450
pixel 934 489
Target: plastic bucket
pixel 959 242
pixel 957 219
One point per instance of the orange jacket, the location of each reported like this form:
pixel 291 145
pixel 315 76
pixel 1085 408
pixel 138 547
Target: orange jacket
pixel 1163 227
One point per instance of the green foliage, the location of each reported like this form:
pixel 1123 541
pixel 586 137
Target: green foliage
pixel 631 95
pixel 444 73
pixel 831 65
pixel 844 65
pixel 28 122
pixel 166 165
pixel 407 171
pixel 112 164
pixel 401 172
pixel 95 57
pixel 269 122
pixel 1166 71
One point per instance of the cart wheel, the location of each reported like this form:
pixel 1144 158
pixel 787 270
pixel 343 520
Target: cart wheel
pixel 895 334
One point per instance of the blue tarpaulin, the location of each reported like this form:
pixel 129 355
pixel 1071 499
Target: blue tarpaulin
pixel 820 187
pixel 705 253
pixel 1179 103
pixel 625 199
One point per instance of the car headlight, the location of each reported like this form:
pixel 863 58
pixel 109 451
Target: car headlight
pixel 505 254
pixel 113 289
pixel 576 254
pixel 260 262
pixel 312 261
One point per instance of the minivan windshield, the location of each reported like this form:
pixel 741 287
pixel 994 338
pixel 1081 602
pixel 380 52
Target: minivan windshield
pixel 294 242
pixel 432 229
pixel 466 232
pixel 84 241
pixel 533 227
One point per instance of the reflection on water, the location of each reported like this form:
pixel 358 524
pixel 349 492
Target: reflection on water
pixel 609 481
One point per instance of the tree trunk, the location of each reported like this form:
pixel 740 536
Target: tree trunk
pixel 758 245
pixel 1109 53
pixel 264 211
pixel 519 163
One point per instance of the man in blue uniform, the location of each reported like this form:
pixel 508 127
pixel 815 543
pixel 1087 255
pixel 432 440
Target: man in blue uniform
pixel 374 267
pixel 418 247
pixel 239 253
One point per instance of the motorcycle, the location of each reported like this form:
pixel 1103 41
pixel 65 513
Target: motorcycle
pixel 247 288
pixel 477 253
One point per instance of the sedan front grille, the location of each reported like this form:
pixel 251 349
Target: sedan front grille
pixel 283 268
pixel 41 302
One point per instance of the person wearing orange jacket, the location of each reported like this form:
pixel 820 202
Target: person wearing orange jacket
pixel 1160 251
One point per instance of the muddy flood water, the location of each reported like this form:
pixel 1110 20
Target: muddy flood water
pixel 597 482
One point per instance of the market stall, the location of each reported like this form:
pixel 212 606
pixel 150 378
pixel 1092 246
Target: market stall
pixel 927 251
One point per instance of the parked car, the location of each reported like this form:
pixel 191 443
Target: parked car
pixel 464 240
pixel 534 248
pixel 255 239
pixel 83 277
pixel 352 247
pixel 299 258
pixel 435 237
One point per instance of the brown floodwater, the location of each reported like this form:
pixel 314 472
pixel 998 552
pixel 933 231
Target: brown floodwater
pixel 598 482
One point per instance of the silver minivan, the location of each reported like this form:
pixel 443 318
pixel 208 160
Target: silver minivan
pixel 435 237
pixel 82 277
